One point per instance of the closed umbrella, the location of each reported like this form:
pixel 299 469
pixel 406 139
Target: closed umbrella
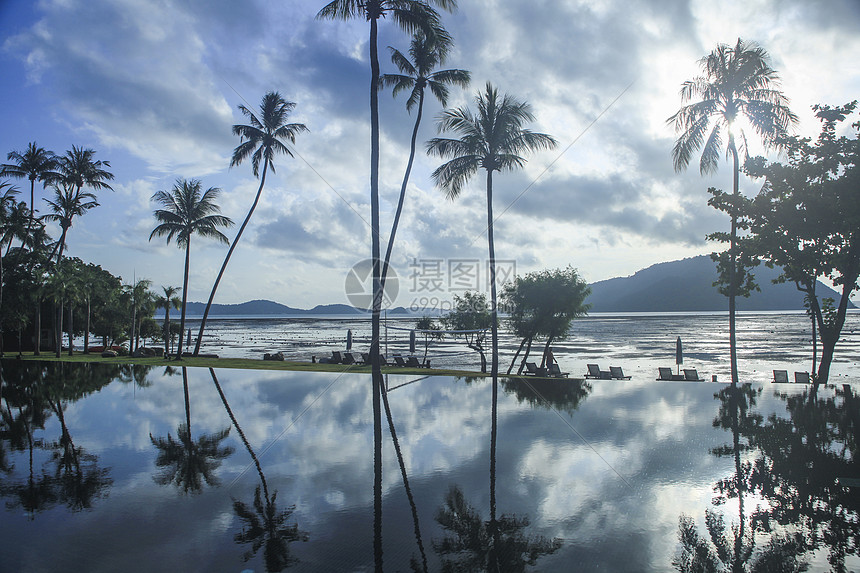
pixel 349 340
pixel 412 342
pixel 679 354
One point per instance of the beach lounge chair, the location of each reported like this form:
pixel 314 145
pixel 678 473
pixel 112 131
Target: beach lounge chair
pixel 617 373
pixel 365 357
pixel 413 362
pixel 666 374
pixel 594 371
pixel 533 370
pixel 801 377
pixel 398 360
pixel 690 375
pixel 556 372
pixel 336 358
pixel 780 376
pixel 348 358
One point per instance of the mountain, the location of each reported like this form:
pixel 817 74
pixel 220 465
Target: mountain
pixel 687 285
pixel 269 308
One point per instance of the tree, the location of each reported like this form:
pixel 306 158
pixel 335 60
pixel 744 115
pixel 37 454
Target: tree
pixel 471 317
pixel 544 304
pixel 7 205
pixel 166 302
pixel 262 139
pixel 806 219
pixel 36 164
pixel 738 86
pixel 68 202
pixel 426 326
pixel 409 15
pixel 492 140
pixel 142 306
pixel 427 50
pixel 187 211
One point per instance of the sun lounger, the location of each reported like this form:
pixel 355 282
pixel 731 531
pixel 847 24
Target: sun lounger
pixel 348 358
pixel 780 376
pixel 533 370
pixel 594 371
pixel 336 358
pixel 617 373
pixel 398 360
pixel 801 377
pixel 690 375
pixel 412 362
pixel 556 372
pixel 666 374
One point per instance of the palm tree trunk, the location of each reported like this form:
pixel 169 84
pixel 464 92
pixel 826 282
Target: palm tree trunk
pixel 227 258
pixel 517 354
pixel 376 367
pixel 58 331
pixel 733 350
pixel 494 370
pixel 38 325
pixel 403 188
pixel 87 330
pixel 184 300
pixel 167 330
pixel 71 330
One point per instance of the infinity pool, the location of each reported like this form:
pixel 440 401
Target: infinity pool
pixel 107 468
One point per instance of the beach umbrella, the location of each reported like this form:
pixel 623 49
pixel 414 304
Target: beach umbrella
pixel 411 342
pixel 679 354
pixel 349 340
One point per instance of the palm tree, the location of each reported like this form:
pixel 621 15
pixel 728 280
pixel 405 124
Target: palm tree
pixel 186 212
pixel 427 51
pixel 264 138
pixel 7 230
pixel 492 140
pixel 36 164
pixel 409 15
pixel 738 84
pixel 168 300
pixel 68 202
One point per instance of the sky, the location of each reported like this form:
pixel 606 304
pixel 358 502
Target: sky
pixel 153 86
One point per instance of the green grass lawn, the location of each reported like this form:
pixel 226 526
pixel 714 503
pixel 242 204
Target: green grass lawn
pixel 243 363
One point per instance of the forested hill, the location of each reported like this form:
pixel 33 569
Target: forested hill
pixel 687 285
pixel 269 308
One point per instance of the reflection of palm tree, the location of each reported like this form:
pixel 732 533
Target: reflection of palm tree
pixel 474 545
pixel 565 395
pixel 187 463
pixel 265 525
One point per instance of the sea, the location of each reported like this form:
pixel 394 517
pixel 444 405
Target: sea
pixel 639 343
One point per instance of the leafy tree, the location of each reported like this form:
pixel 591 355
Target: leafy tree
pixel 427 50
pixel 471 316
pixel 262 139
pixel 544 304
pixel 142 306
pixel 493 140
pixel 737 85
pixel 36 164
pixel 428 327
pixel 188 211
pixel 806 219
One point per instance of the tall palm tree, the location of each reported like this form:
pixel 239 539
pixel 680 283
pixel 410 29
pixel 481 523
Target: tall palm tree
pixel 262 139
pixel 427 50
pixel 409 15
pixel 187 211
pixel 738 84
pixel 168 300
pixel 68 203
pixel 7 231
pixel 36 164
pixel 492 139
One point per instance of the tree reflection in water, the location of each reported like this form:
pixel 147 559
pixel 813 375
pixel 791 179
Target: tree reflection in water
pixel 30 393
pixel 264 526
pixel 475 545
pixel 185 462
pixel 794 465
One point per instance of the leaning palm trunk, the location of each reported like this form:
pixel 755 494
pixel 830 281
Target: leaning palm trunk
pixel 403 185
pixel 227 258
pixel 184 300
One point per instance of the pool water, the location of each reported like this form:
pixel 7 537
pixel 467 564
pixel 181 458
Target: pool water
pixel 113 468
